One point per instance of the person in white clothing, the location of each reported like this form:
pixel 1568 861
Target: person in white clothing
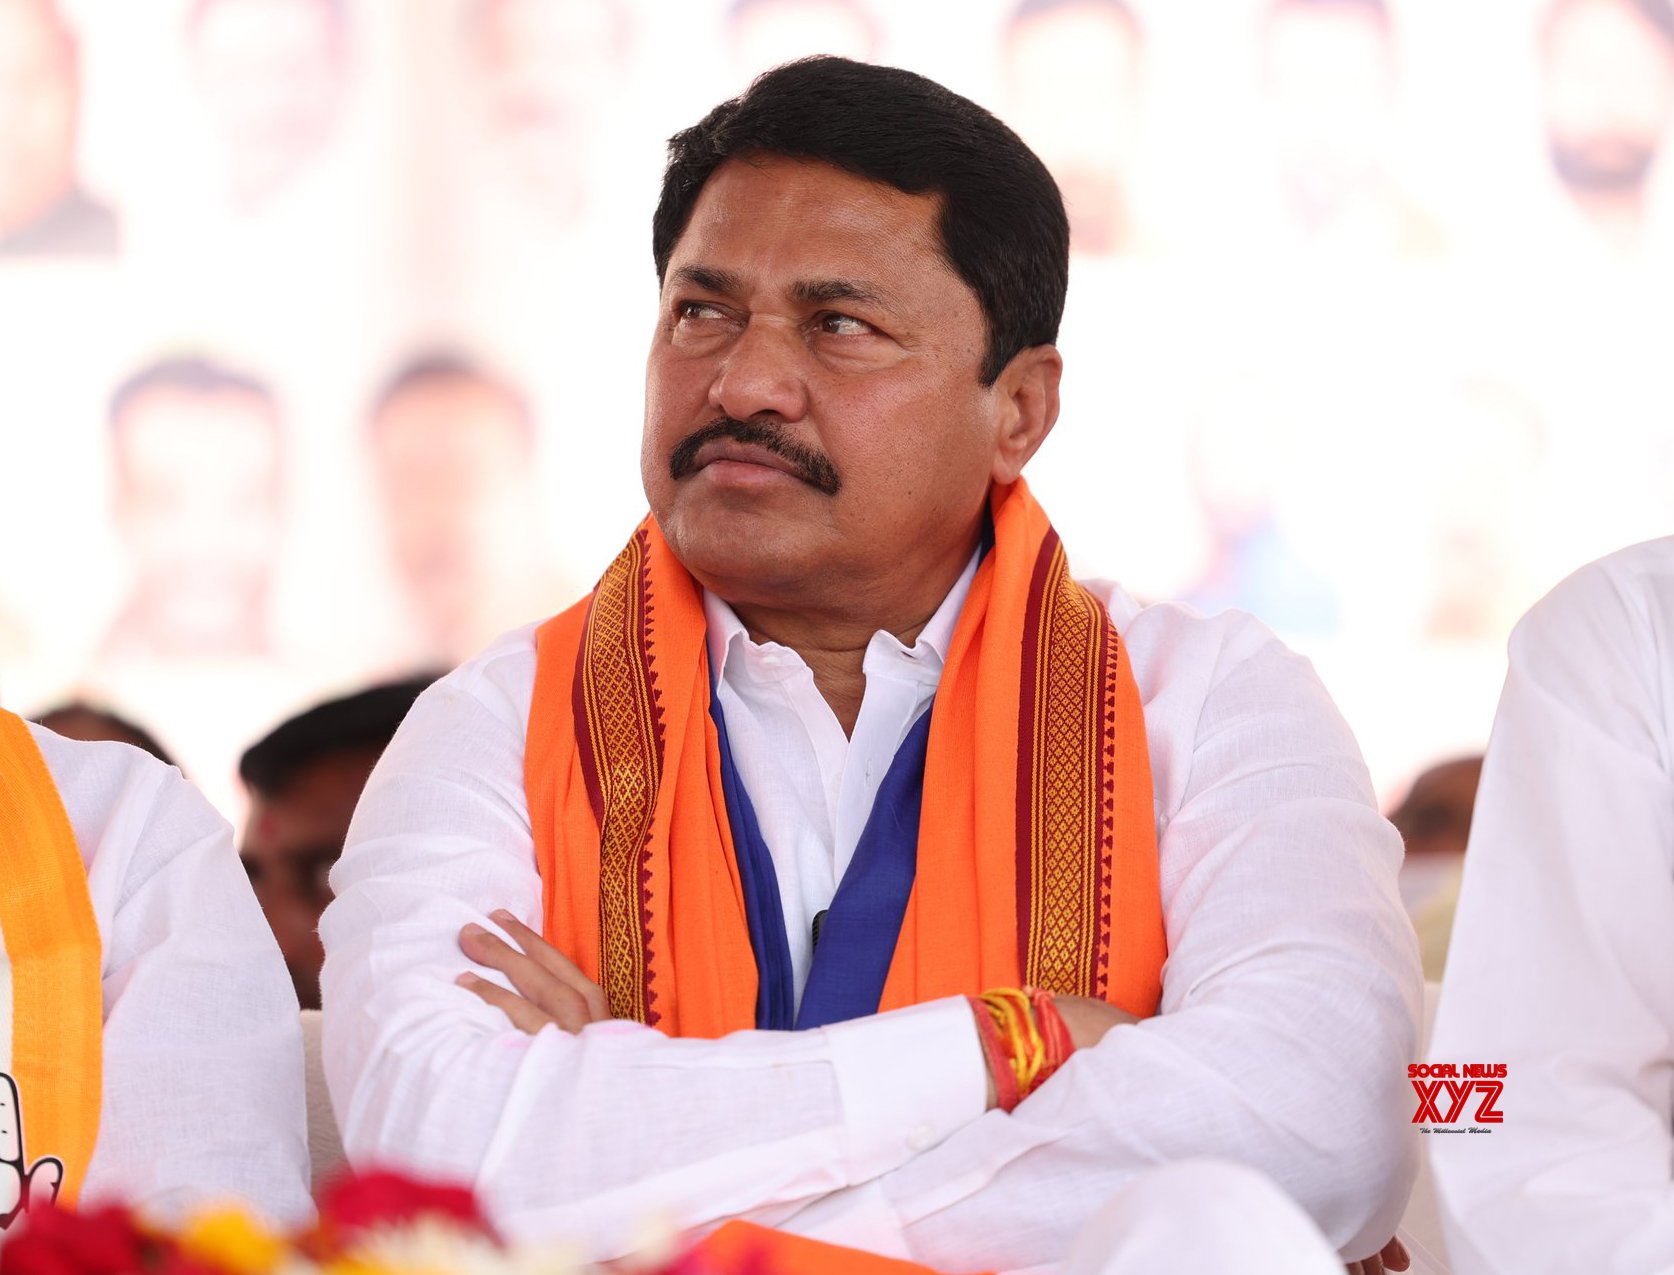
pixel 1562 959
pixel 202 1080
pixel 862 278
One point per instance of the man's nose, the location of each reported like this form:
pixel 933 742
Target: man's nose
pixel 764 372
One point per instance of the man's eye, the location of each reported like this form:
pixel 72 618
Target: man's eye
pixel 698 310
pixel 843 325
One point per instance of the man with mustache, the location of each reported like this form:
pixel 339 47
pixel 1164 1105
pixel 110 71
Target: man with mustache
pixel 150 1052
pixel 1607 97
pixel 828 855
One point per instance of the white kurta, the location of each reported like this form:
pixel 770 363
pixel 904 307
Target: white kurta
pixel 1289 1006
pixel 1562 960
pixel 202 1064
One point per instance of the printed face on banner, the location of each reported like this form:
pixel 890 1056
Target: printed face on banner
pixel 1609 95
pixel 1072 92
pixel 273 77
pixel 197 502
pixel 453 456
pixel 547 70
pixel 1330 79
pixel 40 97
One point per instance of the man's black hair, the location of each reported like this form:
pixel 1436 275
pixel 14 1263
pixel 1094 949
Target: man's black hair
pixel 365 720
pixel 1003 226
pixel 73 717
pixel 440 366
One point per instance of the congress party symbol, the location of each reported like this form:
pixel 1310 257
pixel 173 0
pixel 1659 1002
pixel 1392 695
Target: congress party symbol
pixel 22 1185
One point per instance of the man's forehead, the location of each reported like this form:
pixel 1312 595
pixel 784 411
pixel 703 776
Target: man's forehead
pixel 808 229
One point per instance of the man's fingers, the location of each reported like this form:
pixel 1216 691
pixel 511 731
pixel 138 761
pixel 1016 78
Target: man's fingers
pixel 1393 1256
pixel 527 1018
pixel 490 949
pixel 556 999
pixel 11 1188
pixel 555 963
pixel 533 981
pixel 43 1181
pixel 11 1126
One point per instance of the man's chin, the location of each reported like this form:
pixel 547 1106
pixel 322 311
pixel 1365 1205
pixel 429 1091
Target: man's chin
pixel 711 504
pixel 729 548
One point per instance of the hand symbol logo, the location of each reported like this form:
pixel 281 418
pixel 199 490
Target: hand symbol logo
pixel 23 1186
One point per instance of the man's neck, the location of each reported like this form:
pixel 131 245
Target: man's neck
pixel 832 642
pixel 1618 219
pixel 833 648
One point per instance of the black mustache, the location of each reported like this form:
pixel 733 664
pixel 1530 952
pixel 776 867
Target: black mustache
pixel 811 466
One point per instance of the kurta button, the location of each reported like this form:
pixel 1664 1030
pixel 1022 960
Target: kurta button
pixel 922 1138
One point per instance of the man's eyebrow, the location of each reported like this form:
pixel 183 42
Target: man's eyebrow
pixel 807 291
pixel 825 291
pixel 708 279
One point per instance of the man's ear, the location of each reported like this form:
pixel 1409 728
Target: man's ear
pixel 1027 394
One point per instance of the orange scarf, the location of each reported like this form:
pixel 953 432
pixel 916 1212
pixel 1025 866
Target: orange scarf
pixel 1037 853
pixel 743 1248
pixel 53 965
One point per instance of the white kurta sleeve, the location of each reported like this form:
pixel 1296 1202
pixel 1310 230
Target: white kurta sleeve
pixel 599 1134
pixel 203 1081
pixel 1290 997
pixel 1562 960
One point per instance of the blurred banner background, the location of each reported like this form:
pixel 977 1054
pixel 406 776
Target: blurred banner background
pixel 322 322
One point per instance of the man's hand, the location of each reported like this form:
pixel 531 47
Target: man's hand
pixel 1088 1019
pixel 550 987
pixel 1393 1256
pixel 22 1186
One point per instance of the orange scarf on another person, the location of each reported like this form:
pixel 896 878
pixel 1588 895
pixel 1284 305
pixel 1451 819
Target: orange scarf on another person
pixel 52 971
pixel 1037 851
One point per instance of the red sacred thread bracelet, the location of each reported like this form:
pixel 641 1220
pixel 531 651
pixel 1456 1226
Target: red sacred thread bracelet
pixel 995 1050
pixel 1024 1039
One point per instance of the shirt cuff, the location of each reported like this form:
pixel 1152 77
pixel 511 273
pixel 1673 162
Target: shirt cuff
pixel 907 1079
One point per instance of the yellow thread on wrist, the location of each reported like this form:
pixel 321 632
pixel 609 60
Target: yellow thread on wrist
pixel 1013 1015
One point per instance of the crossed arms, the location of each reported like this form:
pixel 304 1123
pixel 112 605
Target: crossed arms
pixel 1288 1011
